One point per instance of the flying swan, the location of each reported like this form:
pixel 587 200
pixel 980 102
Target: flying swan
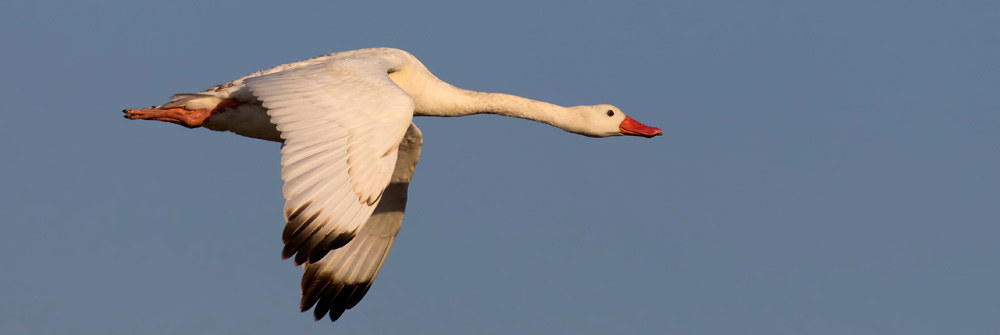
pixel 349 150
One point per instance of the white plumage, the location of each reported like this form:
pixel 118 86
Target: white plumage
pixel 350 150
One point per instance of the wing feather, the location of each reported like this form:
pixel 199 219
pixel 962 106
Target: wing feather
pixel 340 279
pixel 341 119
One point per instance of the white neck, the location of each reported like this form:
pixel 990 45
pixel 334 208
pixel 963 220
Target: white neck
pixel 434 97
pixel 442 99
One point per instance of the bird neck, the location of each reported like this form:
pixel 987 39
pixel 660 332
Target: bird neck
pixel 434 97
pixel 448 100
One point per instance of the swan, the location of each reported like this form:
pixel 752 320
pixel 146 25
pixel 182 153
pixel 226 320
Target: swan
pixel 349 149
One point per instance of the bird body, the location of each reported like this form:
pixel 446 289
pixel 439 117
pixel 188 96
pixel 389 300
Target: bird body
pixel 350 148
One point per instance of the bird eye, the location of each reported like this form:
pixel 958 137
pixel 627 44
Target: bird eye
pixel 611 113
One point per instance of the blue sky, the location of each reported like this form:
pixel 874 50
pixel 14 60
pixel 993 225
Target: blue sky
pixel 828 167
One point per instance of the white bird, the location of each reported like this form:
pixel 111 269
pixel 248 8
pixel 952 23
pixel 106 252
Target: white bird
pixel 349 150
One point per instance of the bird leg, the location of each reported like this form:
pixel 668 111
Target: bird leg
pixel 178 115
pixel 191 118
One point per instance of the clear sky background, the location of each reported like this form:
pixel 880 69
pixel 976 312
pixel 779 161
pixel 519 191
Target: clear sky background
pixel 828 167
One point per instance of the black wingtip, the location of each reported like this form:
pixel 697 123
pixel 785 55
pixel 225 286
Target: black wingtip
pixel 335 315
pixel 331 242
pixel 293 224
pixel 333 300
pixel 287 252
pixel 301 257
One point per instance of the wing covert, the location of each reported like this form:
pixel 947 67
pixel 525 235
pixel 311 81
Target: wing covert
pixel 341 121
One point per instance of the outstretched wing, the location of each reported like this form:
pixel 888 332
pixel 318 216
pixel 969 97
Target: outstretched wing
pixel 342 120
pixel 340 279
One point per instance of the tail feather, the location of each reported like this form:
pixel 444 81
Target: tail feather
pixel 192 101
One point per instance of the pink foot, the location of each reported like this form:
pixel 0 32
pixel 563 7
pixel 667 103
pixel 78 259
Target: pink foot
pixel 178 115
pixel 191 118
